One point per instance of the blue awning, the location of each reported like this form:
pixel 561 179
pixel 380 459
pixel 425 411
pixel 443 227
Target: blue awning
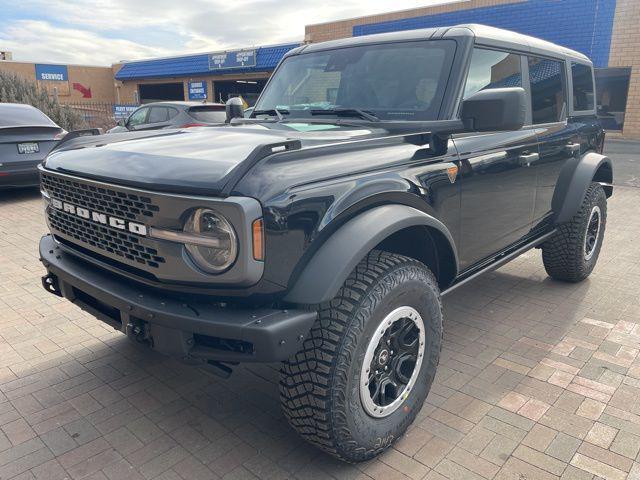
pixel 266 59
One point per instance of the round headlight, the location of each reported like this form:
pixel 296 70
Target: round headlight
pixel 217 233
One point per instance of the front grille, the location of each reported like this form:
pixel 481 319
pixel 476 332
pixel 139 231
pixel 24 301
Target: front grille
pixel 129 248
pixel 110 240
pixel 106 200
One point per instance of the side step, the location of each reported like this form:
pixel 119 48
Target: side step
pixel 499 261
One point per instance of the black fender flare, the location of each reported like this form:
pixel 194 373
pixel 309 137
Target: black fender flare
pixel 334 261
pixel 574 180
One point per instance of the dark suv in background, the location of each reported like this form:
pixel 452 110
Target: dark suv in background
pixel 374 175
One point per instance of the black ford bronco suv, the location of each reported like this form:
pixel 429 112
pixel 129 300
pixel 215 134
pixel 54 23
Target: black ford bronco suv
pixel 374 175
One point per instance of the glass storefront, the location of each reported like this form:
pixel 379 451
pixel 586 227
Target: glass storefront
pixel 612 87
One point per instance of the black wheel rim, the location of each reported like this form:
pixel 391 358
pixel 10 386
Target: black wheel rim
pixel 592 233
pixel 392 362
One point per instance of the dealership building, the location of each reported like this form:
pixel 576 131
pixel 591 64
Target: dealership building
pixel 604 30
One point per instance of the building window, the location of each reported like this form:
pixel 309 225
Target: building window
pixel 548 97
pixel 492 69
pixel 612 87
pixel 583 95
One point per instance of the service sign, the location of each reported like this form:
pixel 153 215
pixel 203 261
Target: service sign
pixel 232 59
pixel 198 90
pixel 49 73
pixel 123 110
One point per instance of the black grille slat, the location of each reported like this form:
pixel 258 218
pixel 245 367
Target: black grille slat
pixel 123 244
pixel 118 204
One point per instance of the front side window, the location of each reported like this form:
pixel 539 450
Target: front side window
pixel 138 117
pixel 394 81
pixel 492 69
pixel 548 98
pixel 583 91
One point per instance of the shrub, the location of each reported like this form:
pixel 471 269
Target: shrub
pixel 15 89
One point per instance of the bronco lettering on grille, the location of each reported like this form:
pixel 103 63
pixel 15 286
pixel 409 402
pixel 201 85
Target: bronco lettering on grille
pixel 98 217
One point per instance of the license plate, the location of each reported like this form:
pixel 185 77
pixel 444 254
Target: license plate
pixel 28 147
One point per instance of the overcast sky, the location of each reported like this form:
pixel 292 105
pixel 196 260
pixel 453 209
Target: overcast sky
pixel 102 32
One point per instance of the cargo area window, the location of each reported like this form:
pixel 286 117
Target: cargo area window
pixel 492 69
pixel 548 96
pixel 583 91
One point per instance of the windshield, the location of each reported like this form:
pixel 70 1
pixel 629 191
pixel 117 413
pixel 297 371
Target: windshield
pixel 393 81
pixel 18 115
pixel 209 114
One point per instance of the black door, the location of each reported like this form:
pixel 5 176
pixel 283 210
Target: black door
pixel 497 174
pixel 498 184
pixel 560 139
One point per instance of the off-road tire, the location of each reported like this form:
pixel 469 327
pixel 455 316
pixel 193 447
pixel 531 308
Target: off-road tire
pixel 319 385
pixel 563 254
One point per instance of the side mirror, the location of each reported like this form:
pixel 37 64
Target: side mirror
pixel 234 108
pixel 121 122
pixel 496 109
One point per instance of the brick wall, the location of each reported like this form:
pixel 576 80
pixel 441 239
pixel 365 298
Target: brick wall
pixel 582 25
pixel 125 91
pixel 625 52
pixel 98 79
pixel 344 28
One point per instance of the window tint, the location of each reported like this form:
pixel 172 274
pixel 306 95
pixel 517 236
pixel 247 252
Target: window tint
pixel 548 97
pixel 158 115
pixel 172 112
pixel 583 98
pixel 138 117
pixel 211 114
pixel 492 69
pixel 399 81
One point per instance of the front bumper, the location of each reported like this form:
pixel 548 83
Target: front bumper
pixel 192 328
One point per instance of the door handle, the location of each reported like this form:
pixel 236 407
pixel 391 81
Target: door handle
pixel 527 158
pixel 573 148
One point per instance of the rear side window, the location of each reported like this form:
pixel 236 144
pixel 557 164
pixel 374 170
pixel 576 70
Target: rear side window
pixel 548 97
pixel 158 115
pixel 582 78
pixel 213 114
pixel 492 69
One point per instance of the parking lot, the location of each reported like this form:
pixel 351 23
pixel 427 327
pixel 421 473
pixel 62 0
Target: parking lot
pixel 538 380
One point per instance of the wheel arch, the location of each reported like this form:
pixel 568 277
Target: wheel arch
pixel 396 228
pixel 574 180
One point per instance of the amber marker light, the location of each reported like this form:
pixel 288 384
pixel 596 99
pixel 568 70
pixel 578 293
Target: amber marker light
pixel 258 239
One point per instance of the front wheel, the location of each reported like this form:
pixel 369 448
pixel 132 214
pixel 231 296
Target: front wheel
pixel 571 254
pixel 365 370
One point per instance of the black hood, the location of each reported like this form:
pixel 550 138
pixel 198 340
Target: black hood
pixel 201 160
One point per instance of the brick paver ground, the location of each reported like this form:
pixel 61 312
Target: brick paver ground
pixel 538 380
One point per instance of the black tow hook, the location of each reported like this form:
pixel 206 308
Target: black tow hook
pixel 51 285
pixel 219 369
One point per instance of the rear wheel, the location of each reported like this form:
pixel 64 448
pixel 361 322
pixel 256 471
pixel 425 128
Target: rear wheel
pixel 368 364
pixel 571 254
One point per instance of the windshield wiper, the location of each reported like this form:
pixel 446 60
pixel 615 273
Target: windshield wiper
pixel 347 112
pixel 272 111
